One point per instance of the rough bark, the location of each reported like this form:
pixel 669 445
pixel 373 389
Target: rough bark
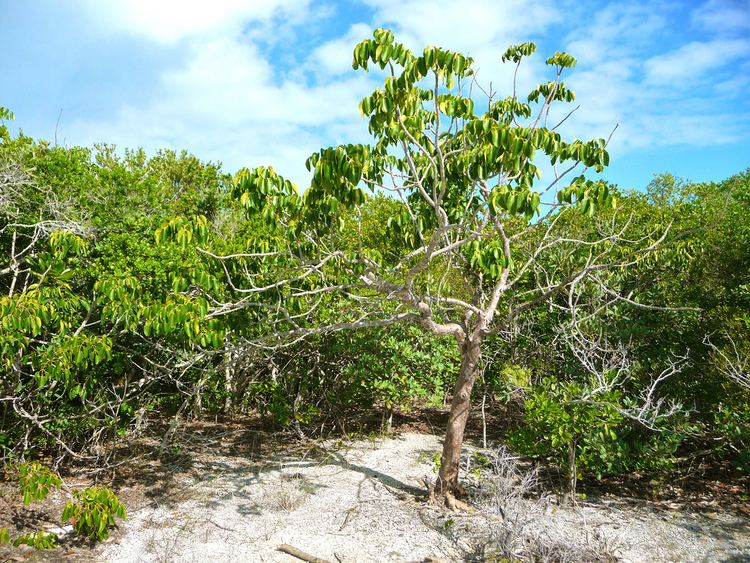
pixel 447 482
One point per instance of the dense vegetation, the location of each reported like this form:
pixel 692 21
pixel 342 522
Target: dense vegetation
pixel 134 287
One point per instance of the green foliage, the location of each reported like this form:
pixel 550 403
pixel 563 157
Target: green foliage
pixel 81 277
pixel 392 368
pixel 479 461
pixel 35 481
pixel 559 415
pixel 485 148
pixel 503 380
pixel 402 365
pixel 5 114
pixel 732 426
pixel 437 461
pixel 37 540
pixel 93 512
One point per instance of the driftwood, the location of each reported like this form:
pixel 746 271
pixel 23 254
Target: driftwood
pixel 299 554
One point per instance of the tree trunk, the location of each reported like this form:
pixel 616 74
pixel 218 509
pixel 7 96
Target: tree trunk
pixel 386 421
pixel 570 495
pixel 447 482
pixel 230 388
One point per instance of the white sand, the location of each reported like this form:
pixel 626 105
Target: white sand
pixel 356 504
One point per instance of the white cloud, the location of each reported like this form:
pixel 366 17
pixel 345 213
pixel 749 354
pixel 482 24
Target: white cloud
pixel 468 26
pixel 225 104
pixel 723 16
pixel 335 56
pixel 169 21
pixel 738 81
pixel 694 60
pixel 658 97
pixel 226 101
pixel 614 32
pixel 482 29
pixel 692 129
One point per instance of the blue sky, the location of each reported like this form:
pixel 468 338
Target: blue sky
pixel 250 82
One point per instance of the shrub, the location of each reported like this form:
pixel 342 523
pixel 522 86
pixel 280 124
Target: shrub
pixel 93 512
pixel 35 481
pixel 732 424
pixel 592 435
pixel 37 540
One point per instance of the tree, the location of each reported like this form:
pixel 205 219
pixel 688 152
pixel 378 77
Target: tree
pixel 704 265
pixel 81 280
pixel 42 317
pixel 469 230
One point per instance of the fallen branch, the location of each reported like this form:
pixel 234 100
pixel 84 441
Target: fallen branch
pixel 299 554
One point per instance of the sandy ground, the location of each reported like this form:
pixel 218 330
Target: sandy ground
pixel 362 502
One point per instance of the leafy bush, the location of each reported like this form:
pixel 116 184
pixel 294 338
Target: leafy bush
pixel 35 481
pixel 603 440
pixel 732 424
pixel 37 540
pixel 392 368
pixel 97 295
pixel 93 512
pixel 401 366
